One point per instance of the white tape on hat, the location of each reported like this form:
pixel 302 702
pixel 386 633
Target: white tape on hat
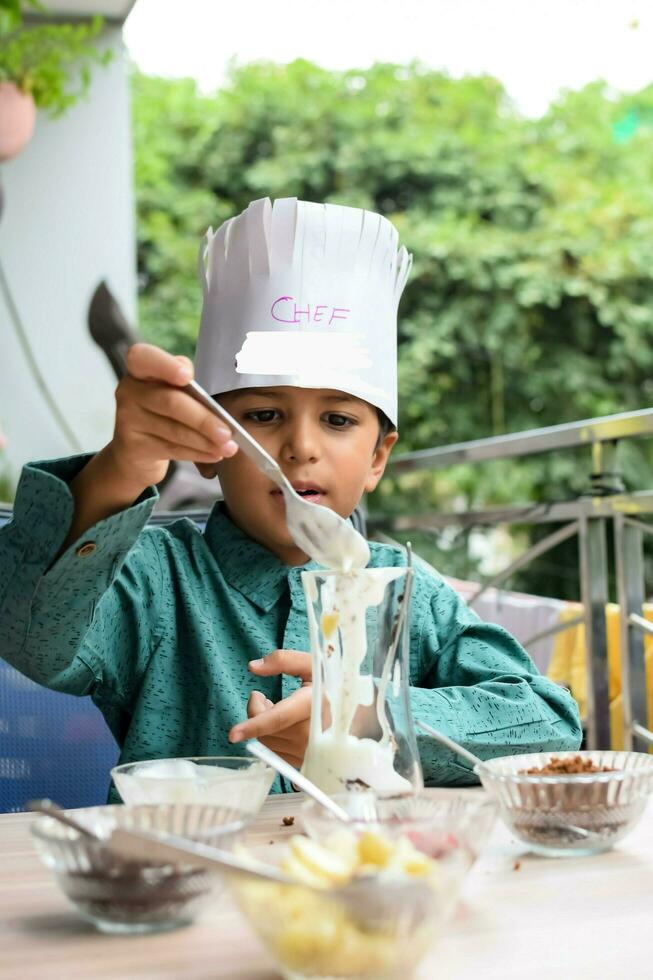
pixel 284 352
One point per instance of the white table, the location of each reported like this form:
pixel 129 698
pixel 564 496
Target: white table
pixel 520 917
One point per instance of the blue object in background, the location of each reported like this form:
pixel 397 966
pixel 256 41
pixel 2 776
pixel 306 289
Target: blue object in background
pixel 52 745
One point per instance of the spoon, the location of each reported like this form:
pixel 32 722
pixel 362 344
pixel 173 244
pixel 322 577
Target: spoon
pixel 479 764
pixel 322 534
pixel 373 906
pixel 51 809
pixel 298 778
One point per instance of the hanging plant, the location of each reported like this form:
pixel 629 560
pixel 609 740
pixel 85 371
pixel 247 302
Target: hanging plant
pixel 46 66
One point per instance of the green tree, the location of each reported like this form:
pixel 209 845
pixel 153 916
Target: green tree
pixel 531 300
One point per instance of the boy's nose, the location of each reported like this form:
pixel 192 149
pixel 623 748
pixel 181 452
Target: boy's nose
pixel 301 443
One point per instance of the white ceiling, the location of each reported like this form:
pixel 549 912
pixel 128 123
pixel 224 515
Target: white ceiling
pixel 112 9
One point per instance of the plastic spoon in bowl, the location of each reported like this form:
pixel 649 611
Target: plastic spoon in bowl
pixel 298 778
pixel 322 534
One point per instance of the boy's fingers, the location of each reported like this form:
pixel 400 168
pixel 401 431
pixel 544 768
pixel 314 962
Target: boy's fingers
pixel 148 363
pixel 295 708
pixel 180 407
pixel 162 449
pixel 291 662
pixel 257 704
pixel 173 431
pixel 186 363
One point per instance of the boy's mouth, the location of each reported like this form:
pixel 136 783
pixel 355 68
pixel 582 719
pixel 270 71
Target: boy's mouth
pixel 305 489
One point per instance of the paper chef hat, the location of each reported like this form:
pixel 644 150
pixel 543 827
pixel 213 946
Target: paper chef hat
pixel 302 294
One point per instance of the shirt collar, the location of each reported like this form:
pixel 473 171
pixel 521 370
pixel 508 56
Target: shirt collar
pixel 250 567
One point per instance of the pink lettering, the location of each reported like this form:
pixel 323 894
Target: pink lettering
pixel 285 305
pixel 335 314
pixel 300 313
pixel 282 319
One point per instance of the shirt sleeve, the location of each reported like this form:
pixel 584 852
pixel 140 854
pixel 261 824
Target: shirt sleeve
pixel 475 683
pixel 85 623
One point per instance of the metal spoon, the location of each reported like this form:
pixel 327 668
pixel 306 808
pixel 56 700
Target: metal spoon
pixel 374 907
pixel 479 764
pixel 322 534
pixel 298 778
pixel 372 904
pixel 51 809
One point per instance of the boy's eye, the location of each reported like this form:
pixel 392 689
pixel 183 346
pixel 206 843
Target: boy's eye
pixel 339 421
pixel 263 415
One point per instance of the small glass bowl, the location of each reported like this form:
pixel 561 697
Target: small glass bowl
pixel 315 935
pixel 231 781
pixel 431 821
pixel 128 896
pixel 570 815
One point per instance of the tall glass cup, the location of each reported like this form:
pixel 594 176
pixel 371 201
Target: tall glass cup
pixel 362 733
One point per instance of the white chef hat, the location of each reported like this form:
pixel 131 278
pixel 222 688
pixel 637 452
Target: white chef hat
pixel 302 294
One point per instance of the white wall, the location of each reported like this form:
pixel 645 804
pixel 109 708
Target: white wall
pixel 68 221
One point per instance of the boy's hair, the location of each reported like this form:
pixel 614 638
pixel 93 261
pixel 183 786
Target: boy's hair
pixel 385 427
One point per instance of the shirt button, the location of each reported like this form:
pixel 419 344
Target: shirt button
pixel 86 549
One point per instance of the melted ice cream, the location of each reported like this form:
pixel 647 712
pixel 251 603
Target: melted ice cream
pixel 335 756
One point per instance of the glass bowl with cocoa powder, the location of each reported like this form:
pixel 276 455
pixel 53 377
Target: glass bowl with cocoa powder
pixel 130 896
pixel 570 804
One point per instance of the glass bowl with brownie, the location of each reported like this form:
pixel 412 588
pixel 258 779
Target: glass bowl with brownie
pixel 570 804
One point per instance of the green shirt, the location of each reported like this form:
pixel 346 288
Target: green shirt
pixel 157 625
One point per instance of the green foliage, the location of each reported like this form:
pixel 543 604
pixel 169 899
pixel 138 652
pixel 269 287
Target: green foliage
pixel 531 299
pixel 12 11
pixel 51 61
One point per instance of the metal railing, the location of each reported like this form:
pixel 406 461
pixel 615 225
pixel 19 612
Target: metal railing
pixel 605 506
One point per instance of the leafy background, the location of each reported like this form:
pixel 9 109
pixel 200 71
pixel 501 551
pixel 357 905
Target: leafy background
pixel 531 299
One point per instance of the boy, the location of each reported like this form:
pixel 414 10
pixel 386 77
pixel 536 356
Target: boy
pixel 192 643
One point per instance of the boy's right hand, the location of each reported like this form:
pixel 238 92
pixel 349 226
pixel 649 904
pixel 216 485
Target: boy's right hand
pixel 157 422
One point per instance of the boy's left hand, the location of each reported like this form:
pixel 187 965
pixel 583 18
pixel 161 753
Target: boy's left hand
pixel 283 727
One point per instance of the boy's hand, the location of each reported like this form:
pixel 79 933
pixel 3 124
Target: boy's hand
pixel 283 727
pixel 156 422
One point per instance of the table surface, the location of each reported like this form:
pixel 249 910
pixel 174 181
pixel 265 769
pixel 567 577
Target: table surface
pixel 520 916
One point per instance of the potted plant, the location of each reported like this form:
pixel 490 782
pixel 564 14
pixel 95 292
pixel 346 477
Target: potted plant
pixel 47 66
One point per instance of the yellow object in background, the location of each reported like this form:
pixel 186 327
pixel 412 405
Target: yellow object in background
pixel 569 665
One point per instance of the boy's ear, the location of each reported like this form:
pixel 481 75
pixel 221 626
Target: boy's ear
pixel 379 460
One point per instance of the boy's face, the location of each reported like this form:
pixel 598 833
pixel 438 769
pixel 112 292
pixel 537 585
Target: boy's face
pixel 327 444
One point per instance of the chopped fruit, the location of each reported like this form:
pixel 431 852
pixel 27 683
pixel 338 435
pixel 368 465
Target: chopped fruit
pixel 374 849
pixel 345 855
pixel 344 843
pixel 329 624
pixel 320 861
pixel 302 873
pixel 314 932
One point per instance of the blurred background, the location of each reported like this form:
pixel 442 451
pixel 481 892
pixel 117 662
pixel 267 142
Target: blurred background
pixel 511 144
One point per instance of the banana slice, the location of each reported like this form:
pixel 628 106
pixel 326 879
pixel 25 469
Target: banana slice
pixel 330 867
pixel 329 624
pixel 375 849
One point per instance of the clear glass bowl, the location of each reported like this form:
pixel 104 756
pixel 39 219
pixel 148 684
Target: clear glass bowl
pixel 570 815
pixel 128 896
pixel 314 935
pixel 231 781
pixel 431 821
